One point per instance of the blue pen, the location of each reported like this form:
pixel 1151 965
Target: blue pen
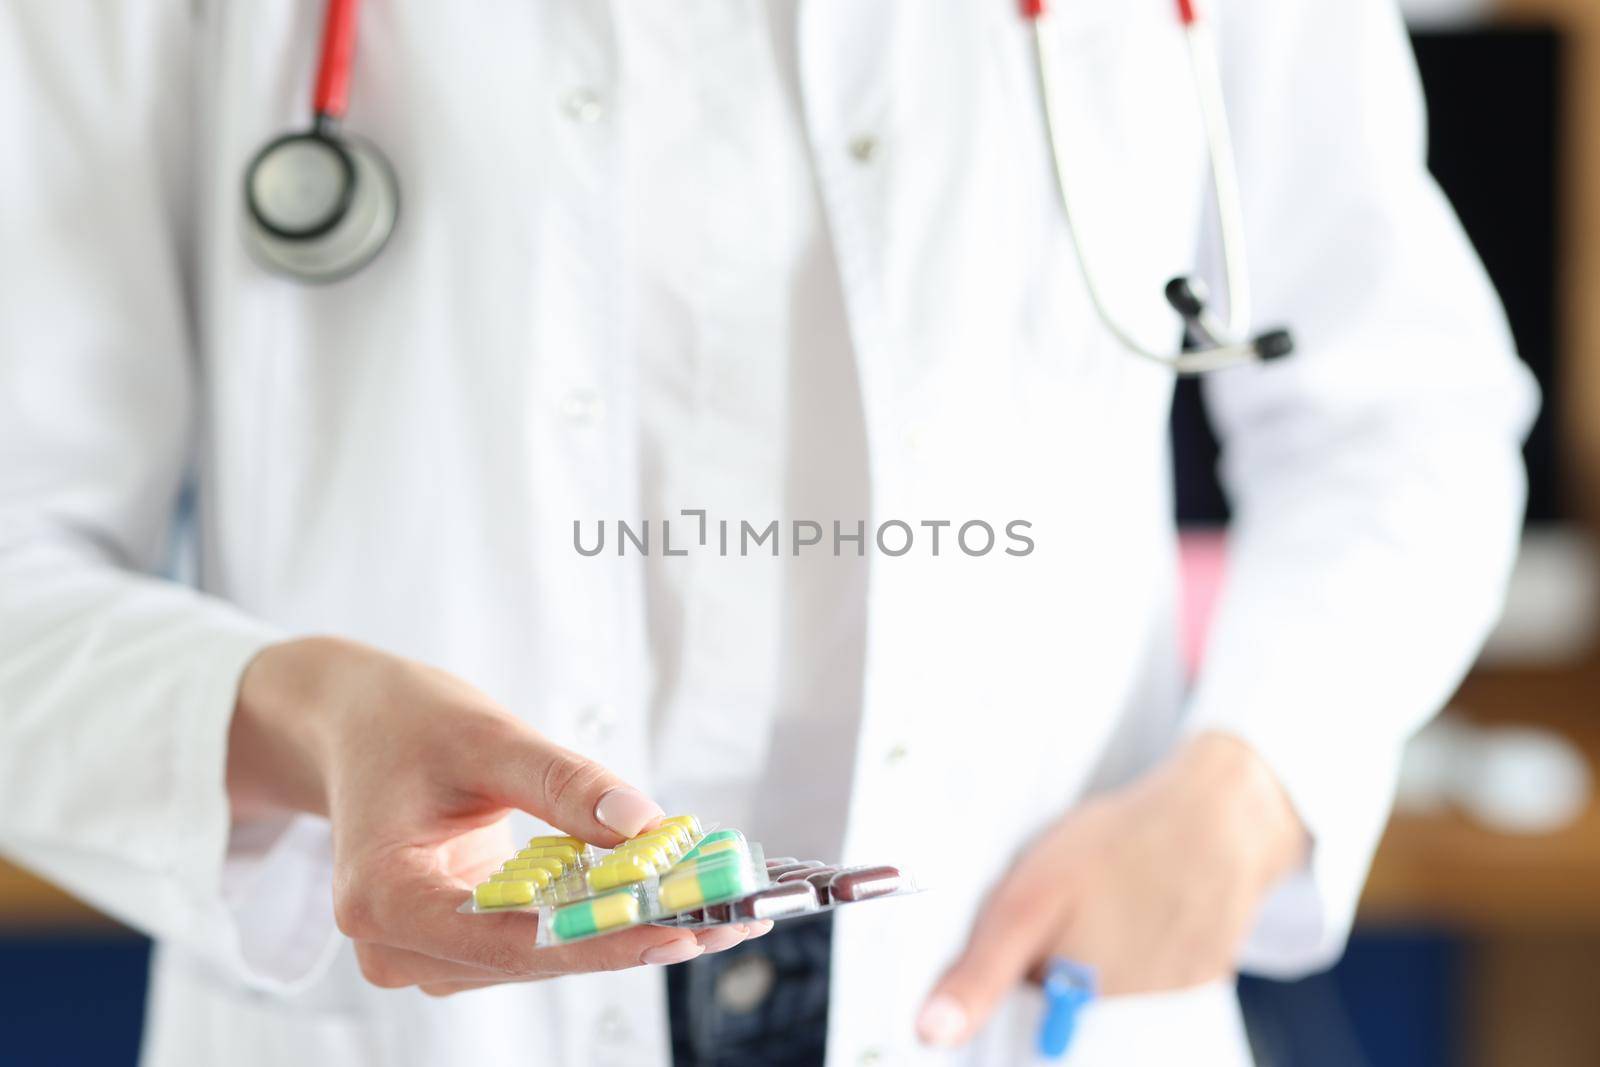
pixel 1068 986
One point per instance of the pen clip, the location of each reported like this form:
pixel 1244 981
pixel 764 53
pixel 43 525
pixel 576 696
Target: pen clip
pixel 1068 986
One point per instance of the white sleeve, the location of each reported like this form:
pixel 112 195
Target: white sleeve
pixel 116 688
pixel 1375 475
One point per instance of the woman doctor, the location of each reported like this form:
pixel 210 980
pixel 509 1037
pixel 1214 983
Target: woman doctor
pixel 782 259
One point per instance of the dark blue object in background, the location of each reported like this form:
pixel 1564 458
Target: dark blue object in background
pixel 1393 1001
pixel 69 1001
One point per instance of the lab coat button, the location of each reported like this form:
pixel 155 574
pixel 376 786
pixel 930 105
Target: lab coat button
pixel 897 754
pixel 864 148
pixel 870 1057
pixel 612 1026
pixel 581 407
pixel 595 723
pixel 584 105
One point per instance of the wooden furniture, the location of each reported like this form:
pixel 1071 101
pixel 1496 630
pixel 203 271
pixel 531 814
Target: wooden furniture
pixel 1447 869
pixel 1528 906
pixel 29 906
pixel 1532 905
pixel 1579 387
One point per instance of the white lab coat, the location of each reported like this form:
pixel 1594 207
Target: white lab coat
pixel 394 458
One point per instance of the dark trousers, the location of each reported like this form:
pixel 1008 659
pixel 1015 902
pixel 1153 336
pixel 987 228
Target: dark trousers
pixel 763 1003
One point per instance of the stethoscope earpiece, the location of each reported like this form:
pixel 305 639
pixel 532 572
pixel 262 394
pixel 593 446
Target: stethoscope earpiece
pixel 1205 347
pixel 1274 344
pixel 1187 298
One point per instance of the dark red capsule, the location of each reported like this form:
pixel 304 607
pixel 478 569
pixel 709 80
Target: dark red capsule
pixel 791 898
pixel 864 883
pixel 819 880
pixel 789 868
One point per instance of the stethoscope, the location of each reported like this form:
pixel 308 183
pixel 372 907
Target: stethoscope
pixel 1209 343
pixel 322 204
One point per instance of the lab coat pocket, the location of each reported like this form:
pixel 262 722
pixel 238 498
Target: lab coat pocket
pixel 196 1020
pixel 1199 1027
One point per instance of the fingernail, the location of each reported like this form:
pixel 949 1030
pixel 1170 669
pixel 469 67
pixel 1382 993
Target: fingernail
pixel 760 927
pixel 675 952
pixel 942 1022
pixel 626 811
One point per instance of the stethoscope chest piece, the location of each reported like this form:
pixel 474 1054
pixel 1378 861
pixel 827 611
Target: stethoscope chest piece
pixel 320 206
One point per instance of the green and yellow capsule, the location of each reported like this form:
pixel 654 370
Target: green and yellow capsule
pixel 719 841
pixel 712 880
pixel 597 915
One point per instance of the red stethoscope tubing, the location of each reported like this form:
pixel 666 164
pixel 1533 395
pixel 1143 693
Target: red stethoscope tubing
pixel 333 72
pixel 339 39
pixel 1188 14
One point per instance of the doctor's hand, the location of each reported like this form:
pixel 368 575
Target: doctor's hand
pixel 417 772
pixel 1154 885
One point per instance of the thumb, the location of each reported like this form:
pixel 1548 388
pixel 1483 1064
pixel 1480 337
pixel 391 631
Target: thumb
pixel 1010 937
pixel 566 790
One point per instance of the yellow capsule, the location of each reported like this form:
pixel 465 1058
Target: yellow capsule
pixel 532 876
pixel 688 822
pixel 647 838
pixel 619 870
pixel 653 859
pixel 674 837
pixel 725 845
pixel 658 858
pixel 565 853
pixel 535 842
pixel 536 863
pixel 503 894
pixel 652 839
pixel 671 836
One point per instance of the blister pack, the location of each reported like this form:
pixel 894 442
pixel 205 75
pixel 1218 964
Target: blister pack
pixel 675 874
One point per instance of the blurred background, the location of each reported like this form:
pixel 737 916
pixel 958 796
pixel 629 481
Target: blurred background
pixel 1479 938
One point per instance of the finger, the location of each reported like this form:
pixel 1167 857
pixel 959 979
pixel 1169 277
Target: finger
pixel 1004 946
pixel 388 967
pixel 575 794
pixel 451 987
pixel 420 912
pixel 447 989
pixel 721 938
pixel 647 945
pixel 760 928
